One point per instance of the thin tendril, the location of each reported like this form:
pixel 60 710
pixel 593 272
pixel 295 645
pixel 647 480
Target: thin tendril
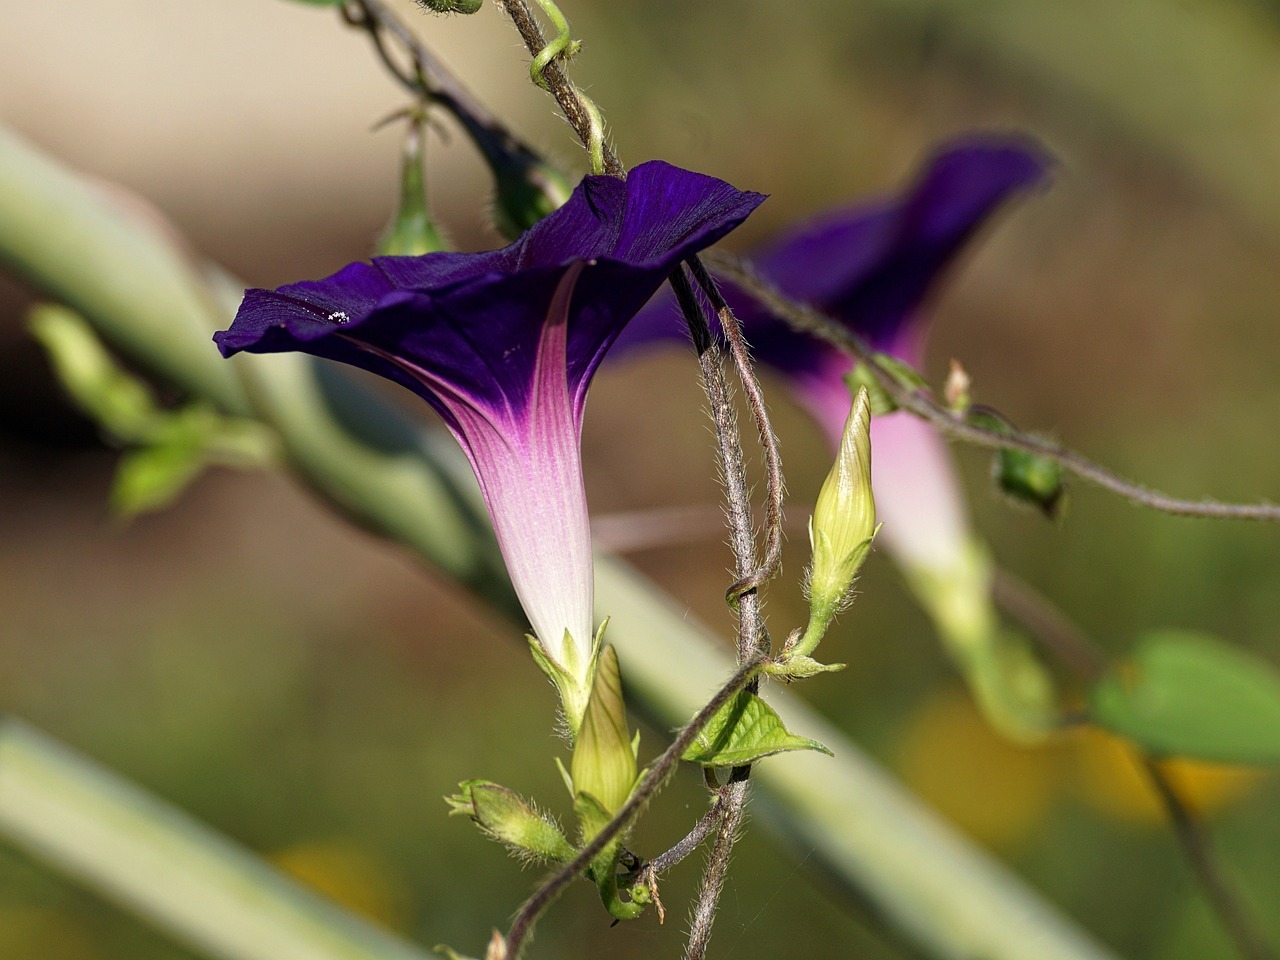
pixel 545 70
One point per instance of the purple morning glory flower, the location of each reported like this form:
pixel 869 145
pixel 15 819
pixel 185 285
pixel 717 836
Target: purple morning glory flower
pixel 503 344
pixel 873 266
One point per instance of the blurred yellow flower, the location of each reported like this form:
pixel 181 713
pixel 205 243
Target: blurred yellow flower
pixel 32 931
pixel 995 790
pixel 350 876
pixel 1112 781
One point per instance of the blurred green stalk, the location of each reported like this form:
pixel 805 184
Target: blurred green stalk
pixel 383 472
pixel 156 860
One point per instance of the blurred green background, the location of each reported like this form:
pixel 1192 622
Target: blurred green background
pixel 313 693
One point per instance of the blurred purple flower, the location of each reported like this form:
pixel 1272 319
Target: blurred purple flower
pixel 503 344
pixel 873 267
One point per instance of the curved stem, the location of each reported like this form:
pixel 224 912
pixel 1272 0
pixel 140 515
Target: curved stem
pixel 808 320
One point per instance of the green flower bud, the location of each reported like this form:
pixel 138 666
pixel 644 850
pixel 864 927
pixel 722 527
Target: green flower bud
pixel 1013 689
pixel 1027 477
pixel 844 516
pixel 412 230
pixel 527 188
pixel 840 533
pixel 1032 479
pixel 451 6
pixel 507 817
pixel 604 759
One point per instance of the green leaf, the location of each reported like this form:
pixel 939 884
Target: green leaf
pixel 744 730
pixel 121 403
pixel 153 477
pixel 1187 694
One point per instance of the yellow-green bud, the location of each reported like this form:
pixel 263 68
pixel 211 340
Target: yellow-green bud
pixel 840 533
pixel 604 759
pixel 844 517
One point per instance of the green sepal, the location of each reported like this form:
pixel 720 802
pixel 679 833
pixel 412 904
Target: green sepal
pixel 573 679
pixel 1188 694
pixel 565 776
pixel 744 730
pixel 603 872
pixel 507 817
pixel 451 6
pixel 829 589
pixel 903 374
pixel 798 668
pixel 592 815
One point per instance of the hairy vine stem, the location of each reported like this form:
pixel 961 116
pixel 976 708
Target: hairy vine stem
pixel 808 320
pixel 662 768
pixel 753 637
pixel 431 83
pixel 775 489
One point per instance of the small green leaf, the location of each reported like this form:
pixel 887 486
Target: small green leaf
pixel 744 730
pixel 153 477
pixel 121 403
pixel 1186 694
